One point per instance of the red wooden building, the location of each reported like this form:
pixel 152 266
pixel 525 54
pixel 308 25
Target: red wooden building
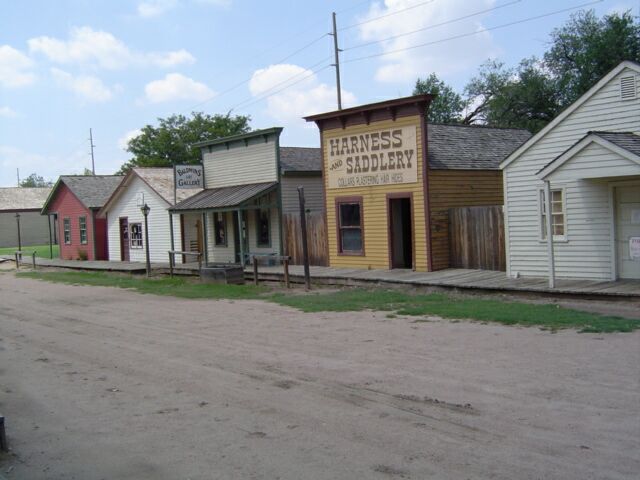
pixel 75 201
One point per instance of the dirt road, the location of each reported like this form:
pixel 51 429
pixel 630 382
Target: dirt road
pixel 101 383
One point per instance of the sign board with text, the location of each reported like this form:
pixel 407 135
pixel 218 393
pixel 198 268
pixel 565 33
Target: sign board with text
pixel 634 248
pixel 379 157
pixel 189 176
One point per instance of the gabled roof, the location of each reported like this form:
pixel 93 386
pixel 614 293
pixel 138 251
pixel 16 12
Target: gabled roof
pixel 300 159
pixel 463 147
pixel 571 108
pixel 224 197
pixel 625 144
pixel 20 198
pixel 158 179
pixel 91 190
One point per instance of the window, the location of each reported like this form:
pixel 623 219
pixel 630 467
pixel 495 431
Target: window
pixel 66 227
pixel 220 229
pixel 135 235
pixel 557 214
pixel 263 227
pixel 350 231
pixel 82 223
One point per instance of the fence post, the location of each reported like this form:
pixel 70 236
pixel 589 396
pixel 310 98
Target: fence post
pixel 17 262
pixel 255 270
pixel 33 258
pixel 285 262
pixel 3 436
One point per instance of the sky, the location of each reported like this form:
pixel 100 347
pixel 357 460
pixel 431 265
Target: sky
pixel 117 65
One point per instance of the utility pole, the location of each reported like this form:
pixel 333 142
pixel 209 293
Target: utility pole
pixel 18 174
pixel 336 53
pixel 93 163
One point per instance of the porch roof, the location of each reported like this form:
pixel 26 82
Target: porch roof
pixel 224 197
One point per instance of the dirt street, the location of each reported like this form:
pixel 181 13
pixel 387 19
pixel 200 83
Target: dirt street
pixel 102 383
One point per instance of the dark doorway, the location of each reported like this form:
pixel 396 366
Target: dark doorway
pixel 400 233
pixel 124 239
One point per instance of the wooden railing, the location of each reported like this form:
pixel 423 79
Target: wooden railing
pixel 172 259
pixel 256 257
pixel 18 256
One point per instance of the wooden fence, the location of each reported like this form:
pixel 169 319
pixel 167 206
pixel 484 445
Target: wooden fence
pixel 316 238
pixel 476 238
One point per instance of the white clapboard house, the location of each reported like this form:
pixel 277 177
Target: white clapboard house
pixel 250 188
pixel 125 220
pixel 588 158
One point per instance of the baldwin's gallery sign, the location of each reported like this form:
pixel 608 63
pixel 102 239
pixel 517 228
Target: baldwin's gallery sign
pixel 189 176
pixel 382 157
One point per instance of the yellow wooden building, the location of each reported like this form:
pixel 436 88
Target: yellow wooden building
pixel 390 179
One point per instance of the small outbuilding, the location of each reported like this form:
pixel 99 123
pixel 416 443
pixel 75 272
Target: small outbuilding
pixel 155 188
pixel 75 200
pixel 21 206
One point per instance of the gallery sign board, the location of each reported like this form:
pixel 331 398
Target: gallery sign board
pixel 380 157
pixel 189 176
pixel 634 248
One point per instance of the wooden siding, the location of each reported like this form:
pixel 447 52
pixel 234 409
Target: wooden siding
pixel 314 199
pixel 375 206
pixel 66 204
pixel 316 238
pixel 457 188
pixel 221 254
pixel 159 233
pixel 587 251
pixel 33 229
pixel 595 161
pixel 476 238
pixel 241 164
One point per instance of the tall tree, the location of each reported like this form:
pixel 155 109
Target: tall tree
pixel 585 48
pixel 169 143
pixel 35 181
pixel 482 90
pixel 447 105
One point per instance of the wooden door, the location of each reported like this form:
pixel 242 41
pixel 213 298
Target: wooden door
pixel 124 239
pixel 628 231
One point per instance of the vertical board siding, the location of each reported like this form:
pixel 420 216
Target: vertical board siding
pixel 66 204
pixel 457 188
pixel 476 238
pixel 316 238
pixel 374 205
pixel 33 229
pixel 313 194
pixel 240 164
pixel 587 251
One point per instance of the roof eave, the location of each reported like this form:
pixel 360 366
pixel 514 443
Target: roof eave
pixel 235 138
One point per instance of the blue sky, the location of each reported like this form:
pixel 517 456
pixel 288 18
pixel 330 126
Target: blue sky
pixel 115 66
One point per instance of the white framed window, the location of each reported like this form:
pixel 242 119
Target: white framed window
pixel 66 227
pixel 82 225
pixel 558 215
pixel 135 235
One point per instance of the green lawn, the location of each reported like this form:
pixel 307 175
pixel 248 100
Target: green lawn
pixel 551 317
pixel 41 250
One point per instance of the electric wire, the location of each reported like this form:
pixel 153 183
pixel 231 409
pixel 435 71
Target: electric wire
pixel 353 25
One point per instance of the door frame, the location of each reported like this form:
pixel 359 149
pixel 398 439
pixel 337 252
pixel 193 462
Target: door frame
pixel 613 212
pixel 122 259
pixel 395 196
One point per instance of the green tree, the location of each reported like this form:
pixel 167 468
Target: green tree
pixel 169 143
pixel 35 181
pixel 483 89
pixel 585 48
pixel 447 105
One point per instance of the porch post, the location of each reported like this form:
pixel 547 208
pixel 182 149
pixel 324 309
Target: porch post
pixel 171 229
pixel 549 222
pixel 204 238
pixel 239 215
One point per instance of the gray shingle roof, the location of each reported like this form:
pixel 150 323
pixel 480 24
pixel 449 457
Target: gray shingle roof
pixel 627 140
pixel 463 147
pixel 92 191
pixel 300 159
pixel 19 198
pixel 161 180
pixel 223 197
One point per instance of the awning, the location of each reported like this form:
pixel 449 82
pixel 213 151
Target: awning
pixel 224 197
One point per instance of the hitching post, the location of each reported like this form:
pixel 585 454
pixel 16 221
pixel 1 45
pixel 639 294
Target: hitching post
pixel 145 211
pixel 305 248
pixel 19 237
pixel 3 436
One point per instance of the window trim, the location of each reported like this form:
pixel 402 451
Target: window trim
pixel 131 245
pixel 224 227
pixel 342 200
pixel 86 233
pixel 64 230
pixel 257 224
pixel 542 226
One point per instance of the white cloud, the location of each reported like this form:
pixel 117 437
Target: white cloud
pixel 7 112
pixel 123 141
pixel 86 87
pixel 152 8
pixel 307 97
pixel 175 86
pixel 93 47
pixel 444 58
pixel 15 68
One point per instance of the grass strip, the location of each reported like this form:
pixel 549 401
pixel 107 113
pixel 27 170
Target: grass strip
pixel 42 251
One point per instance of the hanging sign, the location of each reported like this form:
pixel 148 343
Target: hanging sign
pixel 634 248
pixel 379 157
pixel 189 176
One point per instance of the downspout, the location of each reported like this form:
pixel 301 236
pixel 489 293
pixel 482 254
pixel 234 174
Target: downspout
pixel 549 224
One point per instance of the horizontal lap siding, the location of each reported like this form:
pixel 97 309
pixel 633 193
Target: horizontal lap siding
pixel 240 164
pixel 33 229
pixel 375 207
pixel 66 204
pixel 313 195
pixel 587 252
pixel 221 253
pixel 457 188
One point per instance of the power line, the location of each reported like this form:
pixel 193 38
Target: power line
pixel 435 25
pixel 387 15
pixel 455 37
